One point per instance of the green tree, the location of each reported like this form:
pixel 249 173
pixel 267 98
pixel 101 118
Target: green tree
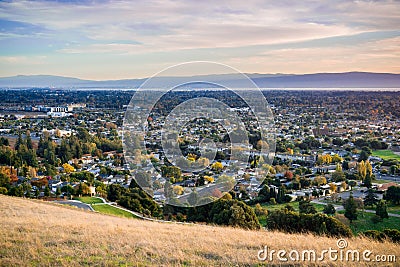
pixel 28 140
pixel 233 213
pixel 64 152
pixel 19 141
pixel 193 198
pixel 350 208
pixel 58 191
pixel 306 207
pixel 393 194
pixel 4 180
pixel 371 199
pixel 46 191
pixel 381 209
pixel 329 209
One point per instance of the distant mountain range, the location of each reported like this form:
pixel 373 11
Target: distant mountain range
pixel 317 80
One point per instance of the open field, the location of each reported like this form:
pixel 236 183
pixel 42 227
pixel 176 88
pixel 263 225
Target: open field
pixel 107 209
pixel 36 233
pixel 89 200
pixel 385 154
pixel 295 205
pixel 364 223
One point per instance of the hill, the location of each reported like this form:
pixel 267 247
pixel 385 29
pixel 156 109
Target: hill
pixel 45 234
pixel 316 80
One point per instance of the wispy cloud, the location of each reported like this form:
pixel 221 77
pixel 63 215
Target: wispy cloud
pixel 141 30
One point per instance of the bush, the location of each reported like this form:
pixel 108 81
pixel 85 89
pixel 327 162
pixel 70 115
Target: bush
pixel 260 210
pixel 390 234
pixel 3 191
pixel 233 213
pixel 374 234
pixel 294 222
pixel 393 234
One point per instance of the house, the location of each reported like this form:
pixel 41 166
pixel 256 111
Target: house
pixel 92 191
pixel 384 187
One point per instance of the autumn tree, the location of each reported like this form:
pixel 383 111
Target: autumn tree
pixel 68 168
pixel 217 166
pixel 178 190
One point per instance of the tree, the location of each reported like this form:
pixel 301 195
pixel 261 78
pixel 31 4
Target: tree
pixel 352 184
pixel 319 180
pixel 193 198
pixel 58 191
pixel 329 209
pixel 381 209
pixel 362 170
pixel 19 141
pixel 217 166
pixel 363 155
pixel 4 180
pixel 350 208
pixel 281 195
pixel 332 187
pixel 338 175
pixel 306 207
pixel 209 178
pixel 393 194
pixel 368 181
pixel 288 175
pixel 371 198
pixel 68 168
pixel 178 190
pixel 233 213
pixel 46 191
pixel 259 210
pixel 64 151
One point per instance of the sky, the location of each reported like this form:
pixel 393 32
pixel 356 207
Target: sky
pixel 105 40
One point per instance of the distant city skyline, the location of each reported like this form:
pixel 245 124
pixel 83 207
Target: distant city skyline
pixel 104 40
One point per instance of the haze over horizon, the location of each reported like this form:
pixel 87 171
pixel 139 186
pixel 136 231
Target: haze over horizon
pixel 110 40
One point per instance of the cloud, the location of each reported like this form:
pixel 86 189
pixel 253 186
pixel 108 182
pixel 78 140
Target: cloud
pixel 229 31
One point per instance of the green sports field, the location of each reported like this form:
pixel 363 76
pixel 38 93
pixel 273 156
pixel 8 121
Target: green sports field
pixel 385 154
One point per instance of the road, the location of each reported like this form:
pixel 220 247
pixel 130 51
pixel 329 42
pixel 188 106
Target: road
pixel 75 203
pixel 340 207
pixel 395 178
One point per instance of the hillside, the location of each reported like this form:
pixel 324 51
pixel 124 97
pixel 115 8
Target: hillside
pixel 38 233
pixel 315 80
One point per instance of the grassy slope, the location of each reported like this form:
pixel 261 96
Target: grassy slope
pixel 89 200
pixel 107 209
pixel 38 233
pixel 364 223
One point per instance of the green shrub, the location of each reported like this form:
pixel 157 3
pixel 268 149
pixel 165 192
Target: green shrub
pixel 294 222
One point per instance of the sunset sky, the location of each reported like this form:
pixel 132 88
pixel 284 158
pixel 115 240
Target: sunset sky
pixel 134 39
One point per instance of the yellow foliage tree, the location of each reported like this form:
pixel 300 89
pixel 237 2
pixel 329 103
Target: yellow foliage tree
pixel 209 179
pixel 217 166
pixel 68 168
pixel 362 170
pixel 178 190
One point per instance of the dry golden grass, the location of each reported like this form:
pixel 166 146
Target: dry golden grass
pixel 35 233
